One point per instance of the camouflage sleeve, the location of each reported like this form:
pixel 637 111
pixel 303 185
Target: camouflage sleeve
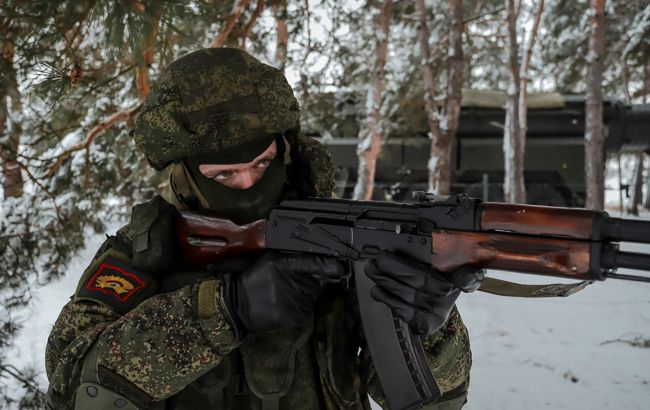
pixel 450 359
pixel 147 354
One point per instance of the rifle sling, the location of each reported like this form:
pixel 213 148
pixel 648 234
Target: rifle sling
pixel 512 289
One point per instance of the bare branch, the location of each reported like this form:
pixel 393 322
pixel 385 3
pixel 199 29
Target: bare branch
pixel 259 8
pixel 29 384
pixel 233 18
pixel 44 189
pixel 480 16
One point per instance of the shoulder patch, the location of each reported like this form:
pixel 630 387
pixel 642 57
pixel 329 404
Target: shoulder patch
pixel 112 281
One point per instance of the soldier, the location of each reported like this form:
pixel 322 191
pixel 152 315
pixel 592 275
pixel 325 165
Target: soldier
pixel 142 331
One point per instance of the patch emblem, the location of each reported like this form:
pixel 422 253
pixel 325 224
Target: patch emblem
pixel 115 281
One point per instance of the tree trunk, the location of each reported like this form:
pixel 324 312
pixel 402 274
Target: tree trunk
pixel 594 130
pixel 439 164
pixel 142 75
pixel 282 33
pixel 442 134
pixel 523 89
pixel 637 186
pixel 12 179
pixel 513 187
pixel 369 146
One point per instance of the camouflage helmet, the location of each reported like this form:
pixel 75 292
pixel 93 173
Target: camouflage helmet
pixel 212 102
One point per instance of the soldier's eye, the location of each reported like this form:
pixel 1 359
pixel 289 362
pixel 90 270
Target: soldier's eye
pixel 223 175
pixel 263 163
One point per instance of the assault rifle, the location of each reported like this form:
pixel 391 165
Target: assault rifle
pixel 446 233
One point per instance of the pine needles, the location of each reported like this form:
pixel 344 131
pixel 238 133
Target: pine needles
pixel 56 82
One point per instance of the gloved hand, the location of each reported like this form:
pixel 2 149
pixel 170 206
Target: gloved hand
pixel 418 294
pixel 277 291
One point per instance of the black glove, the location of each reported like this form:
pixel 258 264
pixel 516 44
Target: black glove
pixel 277 291
pixel 420 295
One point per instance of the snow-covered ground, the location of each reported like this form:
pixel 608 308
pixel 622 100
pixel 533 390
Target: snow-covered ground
pixel 562 353
pixel 569 353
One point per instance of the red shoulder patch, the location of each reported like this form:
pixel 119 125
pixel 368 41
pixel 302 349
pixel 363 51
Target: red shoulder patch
pixel 115 281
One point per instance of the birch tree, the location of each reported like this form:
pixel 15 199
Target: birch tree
pixel 370 134
pixel 594 129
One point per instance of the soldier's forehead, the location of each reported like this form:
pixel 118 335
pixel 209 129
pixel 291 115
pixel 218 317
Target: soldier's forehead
pixel 271 150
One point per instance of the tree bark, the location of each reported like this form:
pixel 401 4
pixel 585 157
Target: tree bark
pixel 594 130
pixel 282 34
pixel 12 179
pixel 442 133
pixel 370 134
pixel 513 187
pixel 142 75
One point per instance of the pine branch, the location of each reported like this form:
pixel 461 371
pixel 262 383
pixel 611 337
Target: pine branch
pixel 98 129
pixel 480 16
pixel 55 81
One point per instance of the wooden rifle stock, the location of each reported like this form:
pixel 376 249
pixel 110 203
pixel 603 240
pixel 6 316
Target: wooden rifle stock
pixel 204 239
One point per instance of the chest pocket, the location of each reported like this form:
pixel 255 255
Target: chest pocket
pixel 270 363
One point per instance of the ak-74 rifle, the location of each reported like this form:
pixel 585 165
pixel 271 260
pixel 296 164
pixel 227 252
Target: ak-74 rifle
pixel 446 233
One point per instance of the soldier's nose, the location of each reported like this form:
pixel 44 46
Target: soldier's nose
pixel 247 179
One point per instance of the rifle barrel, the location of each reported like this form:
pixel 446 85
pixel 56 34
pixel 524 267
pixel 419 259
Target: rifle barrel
pixel 627 230
pixel 614 259
pixel 633 260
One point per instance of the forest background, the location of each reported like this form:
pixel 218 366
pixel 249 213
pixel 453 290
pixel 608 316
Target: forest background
pixel 74 75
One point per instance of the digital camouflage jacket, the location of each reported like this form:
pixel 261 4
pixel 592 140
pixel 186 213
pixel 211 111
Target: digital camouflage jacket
pixel 143 332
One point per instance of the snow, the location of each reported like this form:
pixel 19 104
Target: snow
pixel 560 353
pixel 567 353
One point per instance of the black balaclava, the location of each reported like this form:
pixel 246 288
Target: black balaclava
pixel 242 206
